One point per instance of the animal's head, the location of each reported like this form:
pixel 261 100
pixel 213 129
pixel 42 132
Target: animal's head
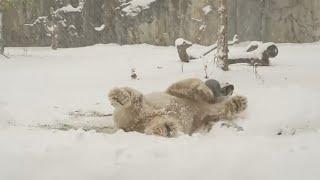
pixel 219 91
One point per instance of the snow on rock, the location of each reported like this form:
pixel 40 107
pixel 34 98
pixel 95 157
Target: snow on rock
pixel 69 8
pixel 207 9
pixel 134 7
pixel 100 28
pixel 203 27
pixel 51 28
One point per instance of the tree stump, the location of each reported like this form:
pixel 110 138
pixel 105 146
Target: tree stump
pixel 182 46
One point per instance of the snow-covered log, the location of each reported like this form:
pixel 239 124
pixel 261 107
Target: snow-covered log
pixel 182 46
pixel 257 53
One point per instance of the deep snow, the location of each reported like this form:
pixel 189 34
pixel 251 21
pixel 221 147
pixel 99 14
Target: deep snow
pixel 41 87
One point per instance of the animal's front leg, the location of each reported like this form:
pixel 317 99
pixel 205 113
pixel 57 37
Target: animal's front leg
pixel 228 109
pixel 124 97
pixel 162 126
pixel 235 105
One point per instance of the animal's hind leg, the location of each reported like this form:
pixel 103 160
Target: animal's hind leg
pixel 226 110
pixel 192 89
pixel 163 126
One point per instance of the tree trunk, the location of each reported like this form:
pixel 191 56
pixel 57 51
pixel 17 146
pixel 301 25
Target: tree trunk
pixel 222 42
pixel 54 36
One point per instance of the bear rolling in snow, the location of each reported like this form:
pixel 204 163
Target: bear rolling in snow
pixel 187 106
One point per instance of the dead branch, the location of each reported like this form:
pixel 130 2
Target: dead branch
pixel 230 43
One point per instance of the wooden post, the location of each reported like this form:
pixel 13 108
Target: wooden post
pixel 222 42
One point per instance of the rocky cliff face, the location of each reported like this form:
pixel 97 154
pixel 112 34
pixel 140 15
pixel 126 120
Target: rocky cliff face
pixel 162 21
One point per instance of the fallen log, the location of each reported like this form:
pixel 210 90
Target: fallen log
pixel 257 53
pixel 182 46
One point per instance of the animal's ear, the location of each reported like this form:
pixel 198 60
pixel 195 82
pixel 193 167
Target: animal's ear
pixel 218 89
pixel 227 90
pixel 214 86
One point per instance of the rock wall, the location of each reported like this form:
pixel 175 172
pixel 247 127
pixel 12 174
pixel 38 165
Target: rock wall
pixel 0 25
pixel 160 22
pixel 1 40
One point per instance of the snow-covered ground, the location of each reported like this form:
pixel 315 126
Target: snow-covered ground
pixel 39 88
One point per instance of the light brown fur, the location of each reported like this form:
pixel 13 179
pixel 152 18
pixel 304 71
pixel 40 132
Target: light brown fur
pixel 185 107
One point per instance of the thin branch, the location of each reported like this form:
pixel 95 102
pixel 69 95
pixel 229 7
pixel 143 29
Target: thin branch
pixel 230 43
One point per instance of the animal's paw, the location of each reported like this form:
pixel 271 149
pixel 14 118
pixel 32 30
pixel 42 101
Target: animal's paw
pixel 120 97
pixel 165 129
pixel 236 105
